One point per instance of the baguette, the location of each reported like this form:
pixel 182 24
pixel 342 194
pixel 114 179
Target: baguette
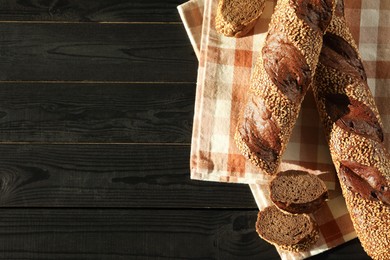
pixel 354 132
pixel 281 77
pixel 235 18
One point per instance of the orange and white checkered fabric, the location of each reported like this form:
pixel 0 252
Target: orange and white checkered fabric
pixel 225 66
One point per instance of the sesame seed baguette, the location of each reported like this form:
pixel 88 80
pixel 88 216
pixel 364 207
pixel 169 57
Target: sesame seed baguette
pixel 354 132
pixel 282 74
pixel 235 18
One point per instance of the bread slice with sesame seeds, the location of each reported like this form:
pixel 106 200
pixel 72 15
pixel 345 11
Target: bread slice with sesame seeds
pixel 235 18
pixel 298 192
pixel 289 232
pixel 355 136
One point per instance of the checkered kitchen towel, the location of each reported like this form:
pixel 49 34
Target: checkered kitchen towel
pixel 223 78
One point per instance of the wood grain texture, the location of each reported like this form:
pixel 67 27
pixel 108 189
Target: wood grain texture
pixel 109 176
pixel 104 113
pixel 96 52
pixel 130 234
pixel 90 10
pixel 140 234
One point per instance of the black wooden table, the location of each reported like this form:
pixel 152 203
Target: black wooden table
pixel 96 107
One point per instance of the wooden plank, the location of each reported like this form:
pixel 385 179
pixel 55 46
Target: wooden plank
pixel 140 234
pixel 109 176
pixel 96 52
pixel 103 113
pixel 130 234
pixel 90 10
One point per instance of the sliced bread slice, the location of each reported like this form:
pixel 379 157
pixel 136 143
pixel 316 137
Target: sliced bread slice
pixel 298 192
pixel 235 18
pixel 287 231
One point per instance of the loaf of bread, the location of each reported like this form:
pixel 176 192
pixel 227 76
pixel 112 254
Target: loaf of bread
pixel 287 231
pixel 235 18
pixel 354 132
pixel 298 192
pixel 280 79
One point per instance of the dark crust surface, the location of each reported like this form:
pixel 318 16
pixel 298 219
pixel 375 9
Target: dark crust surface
pixel 367 181
pixel 286 66
pixel 338 54
pixel 259 132
pixel 316 13
pixel 353 116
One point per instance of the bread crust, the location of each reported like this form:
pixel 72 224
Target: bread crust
pixel 371 222
pixel 229 25
pixel 355 137
pixel 280 79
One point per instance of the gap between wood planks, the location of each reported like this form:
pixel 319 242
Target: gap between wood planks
pixel 81 22
pixel 91 82
pixel 90 143
pixel 84 208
